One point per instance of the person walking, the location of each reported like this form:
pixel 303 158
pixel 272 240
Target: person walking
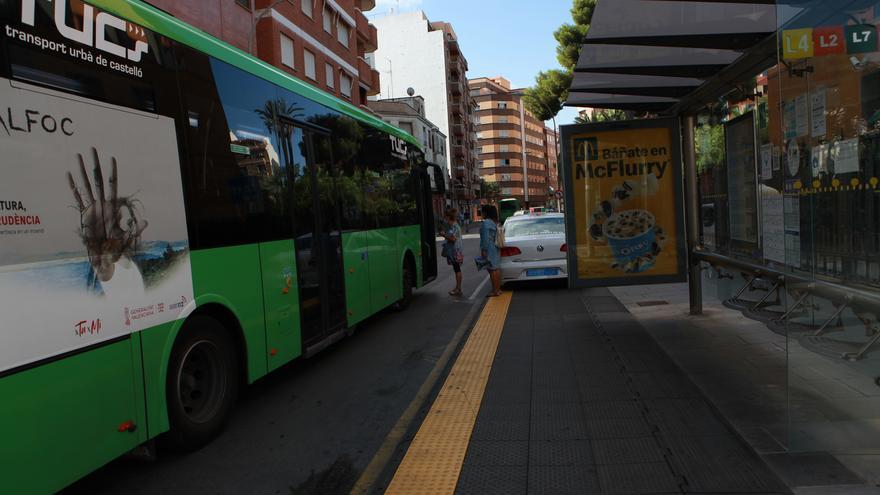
pixel 489 247
pixel 453 248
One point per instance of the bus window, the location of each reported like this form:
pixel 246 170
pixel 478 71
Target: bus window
pixel 346 136
pixel 260 185
pixel 236 181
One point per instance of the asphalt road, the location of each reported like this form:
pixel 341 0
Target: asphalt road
pixel 313 426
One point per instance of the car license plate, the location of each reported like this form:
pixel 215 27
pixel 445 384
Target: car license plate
pixel 542 272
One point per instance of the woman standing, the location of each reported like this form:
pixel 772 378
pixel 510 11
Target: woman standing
pixel 489 248
pixel 452 248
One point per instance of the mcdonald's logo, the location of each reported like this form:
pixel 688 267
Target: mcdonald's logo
pixel 586 149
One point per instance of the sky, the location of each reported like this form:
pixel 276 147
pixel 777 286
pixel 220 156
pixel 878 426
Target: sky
pixel 513 39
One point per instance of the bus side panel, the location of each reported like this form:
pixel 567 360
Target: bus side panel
pixel 229 277
pixel 235 273
pixel 281 299
pixel 385 267
pixel 357 276
pixel 409 238
pixel 61 419
pixel 156 348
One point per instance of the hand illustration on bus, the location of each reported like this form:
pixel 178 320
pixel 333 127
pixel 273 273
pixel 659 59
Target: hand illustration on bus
pixel 110 226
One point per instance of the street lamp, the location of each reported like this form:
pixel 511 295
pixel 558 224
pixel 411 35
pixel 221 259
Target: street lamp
pixel 257 19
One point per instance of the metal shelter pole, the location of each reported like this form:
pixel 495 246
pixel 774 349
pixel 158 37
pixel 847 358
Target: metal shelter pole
pixel 692 214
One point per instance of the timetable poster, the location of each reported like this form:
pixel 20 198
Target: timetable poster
pixel 742 183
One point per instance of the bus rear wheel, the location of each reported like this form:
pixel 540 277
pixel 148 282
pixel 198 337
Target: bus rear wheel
pixel 202 384
pixel 408 282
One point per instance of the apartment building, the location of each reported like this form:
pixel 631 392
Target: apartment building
pixel 417 53
pixel 409 114
pixel 512 143
pixel 322 42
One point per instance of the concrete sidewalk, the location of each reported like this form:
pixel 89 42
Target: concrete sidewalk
pixel 574 397
pixel 812 417
pixel 582 400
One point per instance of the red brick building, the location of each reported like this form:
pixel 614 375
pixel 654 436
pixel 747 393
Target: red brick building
pixel 322 42
pixel 515 148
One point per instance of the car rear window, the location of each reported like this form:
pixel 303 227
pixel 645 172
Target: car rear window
pixel 535 226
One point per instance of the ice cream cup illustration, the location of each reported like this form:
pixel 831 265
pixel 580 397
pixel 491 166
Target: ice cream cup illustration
pixel 631 235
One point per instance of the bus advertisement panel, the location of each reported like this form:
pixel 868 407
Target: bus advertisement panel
pixel 92 224
pixel 623 181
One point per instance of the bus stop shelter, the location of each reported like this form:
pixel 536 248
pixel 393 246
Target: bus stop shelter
pixel 777 105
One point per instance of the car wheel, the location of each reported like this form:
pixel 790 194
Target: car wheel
pixel 202 384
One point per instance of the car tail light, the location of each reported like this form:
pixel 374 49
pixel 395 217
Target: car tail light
pixel 564 248
pixel 510 251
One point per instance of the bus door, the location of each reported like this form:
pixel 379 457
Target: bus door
pixel 422 183
pixel 317 237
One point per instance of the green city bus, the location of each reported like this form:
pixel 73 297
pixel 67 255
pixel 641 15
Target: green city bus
pixel 507 207
pixel 177 219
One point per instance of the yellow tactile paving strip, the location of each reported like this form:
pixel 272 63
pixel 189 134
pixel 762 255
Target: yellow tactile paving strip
pixel 433 461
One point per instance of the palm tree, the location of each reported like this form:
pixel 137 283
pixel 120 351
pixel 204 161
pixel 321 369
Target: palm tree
pixel 271 114
pixel 602 116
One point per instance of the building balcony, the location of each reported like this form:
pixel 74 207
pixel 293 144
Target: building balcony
pixel 376 85
pixel 452 46
pixel 366 32
pixel 456 108
pixel 498 126
pixel 368 76
pixel 456 128
pixel 458 151
pixel 499 140
pixel 509 112
pixel 501 155
pixel 454 86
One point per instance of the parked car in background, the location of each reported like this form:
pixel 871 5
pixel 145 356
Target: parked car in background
pixel 534 247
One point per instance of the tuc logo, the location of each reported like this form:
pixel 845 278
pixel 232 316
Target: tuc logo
pixel 94 28
pixel 398 147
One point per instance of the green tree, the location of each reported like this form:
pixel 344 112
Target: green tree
pixel 709 146
pixel 546 98
pixel 570 38
pixel 582 11
pixel 490 190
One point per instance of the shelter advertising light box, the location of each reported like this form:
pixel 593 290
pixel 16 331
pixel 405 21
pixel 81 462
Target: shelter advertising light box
pixel 623 187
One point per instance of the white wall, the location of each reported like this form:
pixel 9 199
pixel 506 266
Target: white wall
pixel 418 61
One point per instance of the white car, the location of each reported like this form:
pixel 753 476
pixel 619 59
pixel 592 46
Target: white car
pixel 534 248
